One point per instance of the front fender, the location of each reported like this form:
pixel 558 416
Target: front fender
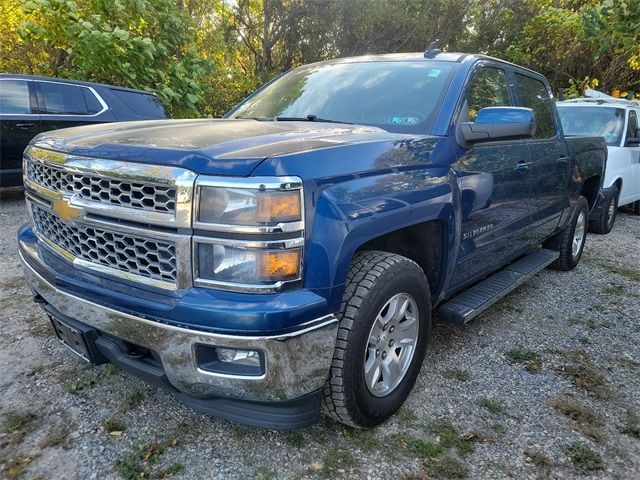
pixel 354 212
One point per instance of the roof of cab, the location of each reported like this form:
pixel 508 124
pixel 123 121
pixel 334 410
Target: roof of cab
pixel 420 56
pixel 18 76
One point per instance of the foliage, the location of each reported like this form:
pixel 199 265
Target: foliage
pixel 203 56
pixel 146 44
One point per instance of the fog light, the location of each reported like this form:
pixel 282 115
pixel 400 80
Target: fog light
pixel 239 357
pixel 230 361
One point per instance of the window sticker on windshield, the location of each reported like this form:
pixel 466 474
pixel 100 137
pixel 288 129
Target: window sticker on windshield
pixel 403 120
pixel 434 73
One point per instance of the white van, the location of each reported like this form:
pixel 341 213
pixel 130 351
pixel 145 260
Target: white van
pixel 618 122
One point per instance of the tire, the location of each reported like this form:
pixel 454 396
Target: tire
pixel 563 242
pixel 377 282
pixel 636 207
pixel 609 211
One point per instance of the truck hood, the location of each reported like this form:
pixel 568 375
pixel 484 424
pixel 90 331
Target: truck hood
pixel 214 147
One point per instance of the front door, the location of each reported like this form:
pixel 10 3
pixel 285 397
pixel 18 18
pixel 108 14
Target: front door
pixel 18 125
pixel 495 184
pixel 549 156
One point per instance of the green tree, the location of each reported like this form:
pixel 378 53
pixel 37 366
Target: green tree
pixel 146 44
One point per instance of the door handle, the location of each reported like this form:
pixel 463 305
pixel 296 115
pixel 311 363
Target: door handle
pixel 563 160
pixel 26 126
pixel 523 166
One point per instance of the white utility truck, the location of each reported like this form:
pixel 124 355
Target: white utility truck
pixel 616 120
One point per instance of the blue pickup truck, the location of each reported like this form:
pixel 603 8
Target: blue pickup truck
pixel 290 258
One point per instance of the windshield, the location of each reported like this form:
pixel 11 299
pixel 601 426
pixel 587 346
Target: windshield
pixel 396 96
pixel 606 122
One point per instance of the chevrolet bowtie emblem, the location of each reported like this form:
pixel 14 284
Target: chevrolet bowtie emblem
pixel 64 210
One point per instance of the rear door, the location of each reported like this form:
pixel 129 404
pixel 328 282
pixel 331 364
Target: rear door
pixel 631 180
pixel 65 105
pixel 19 123
pixel 549 156
pixel 495 183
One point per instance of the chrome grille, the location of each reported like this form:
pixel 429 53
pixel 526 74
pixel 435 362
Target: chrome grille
pixel 124 193
pixel 139 256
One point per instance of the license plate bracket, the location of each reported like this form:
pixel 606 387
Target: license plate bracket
pixel 74 337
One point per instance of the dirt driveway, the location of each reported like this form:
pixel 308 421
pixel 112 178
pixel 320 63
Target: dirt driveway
pixel 544 385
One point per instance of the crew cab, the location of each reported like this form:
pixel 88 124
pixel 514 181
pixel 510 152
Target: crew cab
pixel 291 257
pixel 30 105
pixel 616 120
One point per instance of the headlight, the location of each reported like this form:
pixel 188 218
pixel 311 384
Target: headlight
pixel 226 264
pixel 248 213
pixel 253 205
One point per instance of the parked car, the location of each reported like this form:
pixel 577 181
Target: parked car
pixel 291 255
pixel 30 105
pixel 617 121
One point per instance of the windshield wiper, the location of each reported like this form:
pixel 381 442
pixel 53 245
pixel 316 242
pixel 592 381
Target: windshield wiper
pixel 310 118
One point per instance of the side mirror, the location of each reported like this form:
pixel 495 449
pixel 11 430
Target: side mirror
pixel 499 123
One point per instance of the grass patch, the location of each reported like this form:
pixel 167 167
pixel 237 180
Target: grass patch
pixel 173 469
pixel 579 417
pixel 540 460
pixel 15 422
pixel 531 360
pixel 57 435
pixel 296 439
pixel 614 290
pixel 583 458
pixel 133 400
pixel 626 272
pixel 91 381
pixel 631 425
pixel 406 416
pixel 337 462
pixel 365 439
pixel 114 426
pixel 457 374
pixel 16 466
pixel 585 375
pixel 447 467
pixel 140 461
pixel 491 406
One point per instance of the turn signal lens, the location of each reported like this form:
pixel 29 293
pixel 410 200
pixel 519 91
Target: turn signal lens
pixel 279 265
pixel 279 206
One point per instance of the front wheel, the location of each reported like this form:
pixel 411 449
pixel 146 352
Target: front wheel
pixel 569 243
pixel 385 323
pixel 605 220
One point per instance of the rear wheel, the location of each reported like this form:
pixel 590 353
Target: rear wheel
pixel 604 222
pixel 384 328
pixel 569 243
pixel 636 207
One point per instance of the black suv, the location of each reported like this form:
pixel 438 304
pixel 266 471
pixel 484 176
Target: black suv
pixel 30 105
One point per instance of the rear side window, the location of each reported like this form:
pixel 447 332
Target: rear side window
pixel 488 88
pixel 632 126
pixel 14 97
pixel 65 99
pixel 534 95
pixel 142 104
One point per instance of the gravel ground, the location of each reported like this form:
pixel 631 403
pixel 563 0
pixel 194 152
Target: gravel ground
pixel 544 385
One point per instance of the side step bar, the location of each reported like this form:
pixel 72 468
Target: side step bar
pixel 475 300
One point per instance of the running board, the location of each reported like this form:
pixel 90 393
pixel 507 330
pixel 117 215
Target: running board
pixel 475 300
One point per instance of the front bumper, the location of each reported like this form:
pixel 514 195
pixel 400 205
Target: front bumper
pixel 296 363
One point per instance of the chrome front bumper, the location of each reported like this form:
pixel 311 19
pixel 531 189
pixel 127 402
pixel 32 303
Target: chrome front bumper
pixel 296 363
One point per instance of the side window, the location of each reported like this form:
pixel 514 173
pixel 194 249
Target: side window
pixel 632 126
pixel 14 97
pixel 535 96
pixel 143 105
pixel 488 88
pixel 64 99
